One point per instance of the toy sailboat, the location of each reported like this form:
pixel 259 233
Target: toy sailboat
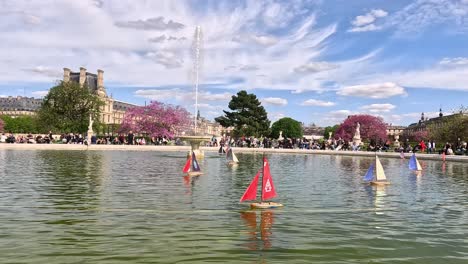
pixel 231 157
pixel 414 163
pixel 192 168
pixel 268 189
pixel 379 177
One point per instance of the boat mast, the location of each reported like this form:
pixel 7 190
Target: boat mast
pixel 263 172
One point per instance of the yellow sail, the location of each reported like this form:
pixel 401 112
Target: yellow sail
pixel 379 172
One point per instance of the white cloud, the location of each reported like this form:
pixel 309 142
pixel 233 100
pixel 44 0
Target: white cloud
pixel 46 71
pixel 166 58
pixel 40 93
pixel 182 95
pixel 315 67
pixel 370 27
pixel 261 40
pixel 365 22
pixel 378 108
pixel 458 61
pixel 274 101
pixel 453 78
pixel 313 102
pixel 156 23
pixel 274 116
pixel 421 14
pixel 375 91
pixel 249 68
pixel 379 13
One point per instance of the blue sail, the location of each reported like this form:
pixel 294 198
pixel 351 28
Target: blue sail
pixel 195 166
pixel 412 163
pixel 370 173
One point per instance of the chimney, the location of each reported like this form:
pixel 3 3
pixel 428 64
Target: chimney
pixel 82 76
pixel 100 79
pixel 66 75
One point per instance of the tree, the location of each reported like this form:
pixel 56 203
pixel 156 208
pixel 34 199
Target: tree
pixel 455 126
pixel 372 128
pixel 1 125
pixel 155 119
pixel 420 135
pixel 329 129
pixel 290 128
pixel 67 107
pixel 248 117
pixel 21 124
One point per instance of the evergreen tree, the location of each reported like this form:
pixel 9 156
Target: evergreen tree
pixel 248 117
pixel 67 106
pixel 290 128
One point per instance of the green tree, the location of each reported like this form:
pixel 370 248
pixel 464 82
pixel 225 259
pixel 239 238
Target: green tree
pixel 290 128
pixel 329 129
pixel 67 106
pixel 21 124
pixel 455 126
pixel 248 117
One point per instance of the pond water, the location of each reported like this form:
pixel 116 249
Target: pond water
pixel 136 207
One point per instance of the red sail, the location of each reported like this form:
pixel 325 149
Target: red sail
pixel 268 190
pixel 186 168
pixel 251 192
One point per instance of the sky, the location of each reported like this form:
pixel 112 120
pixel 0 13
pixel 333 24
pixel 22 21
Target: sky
pixel 315 61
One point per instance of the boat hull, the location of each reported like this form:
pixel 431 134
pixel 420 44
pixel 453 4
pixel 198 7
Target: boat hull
pixel 265 205
pixel 231 163
pixel 379 182
pixel 195 173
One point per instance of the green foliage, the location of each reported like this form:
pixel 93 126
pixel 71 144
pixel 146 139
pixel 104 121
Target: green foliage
pixel 248 117
pixel 455 126
pixel 290 127
pixel 67 107
pixel 21 124
pixel 330 129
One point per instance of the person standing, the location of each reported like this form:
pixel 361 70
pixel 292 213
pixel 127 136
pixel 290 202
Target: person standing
pixel 130 138
pixel 422 146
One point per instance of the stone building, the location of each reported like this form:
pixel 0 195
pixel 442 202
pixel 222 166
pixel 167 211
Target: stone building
pixel 113 111
pixel 313 132
pixel 424 123
pixel 19 106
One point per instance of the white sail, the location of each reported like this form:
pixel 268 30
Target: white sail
pixel 379 171
pixel 234 158
pixel 418 166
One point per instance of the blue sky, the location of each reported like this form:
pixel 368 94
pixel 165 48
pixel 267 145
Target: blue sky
pixel 315 61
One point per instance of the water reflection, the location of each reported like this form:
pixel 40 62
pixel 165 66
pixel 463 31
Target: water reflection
pixel 379 202
pixel 72 179
pixel 263 229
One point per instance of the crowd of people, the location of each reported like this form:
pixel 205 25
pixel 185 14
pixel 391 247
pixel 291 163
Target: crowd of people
pixel 458 148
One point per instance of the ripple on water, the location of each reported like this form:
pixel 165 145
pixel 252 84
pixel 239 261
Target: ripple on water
pixel 121 207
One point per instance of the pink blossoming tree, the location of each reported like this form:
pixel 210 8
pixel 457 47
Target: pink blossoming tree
pixel 1 125
pixel 371 128
pixel 155 119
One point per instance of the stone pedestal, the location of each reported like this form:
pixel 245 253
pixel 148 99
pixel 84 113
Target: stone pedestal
pixel 195 142
pixel 90 134
pixel 396 143
pixel 357 140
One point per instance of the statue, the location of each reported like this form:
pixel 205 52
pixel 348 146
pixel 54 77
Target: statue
pixel 280 135
pixel 90 127
pixel 357 133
